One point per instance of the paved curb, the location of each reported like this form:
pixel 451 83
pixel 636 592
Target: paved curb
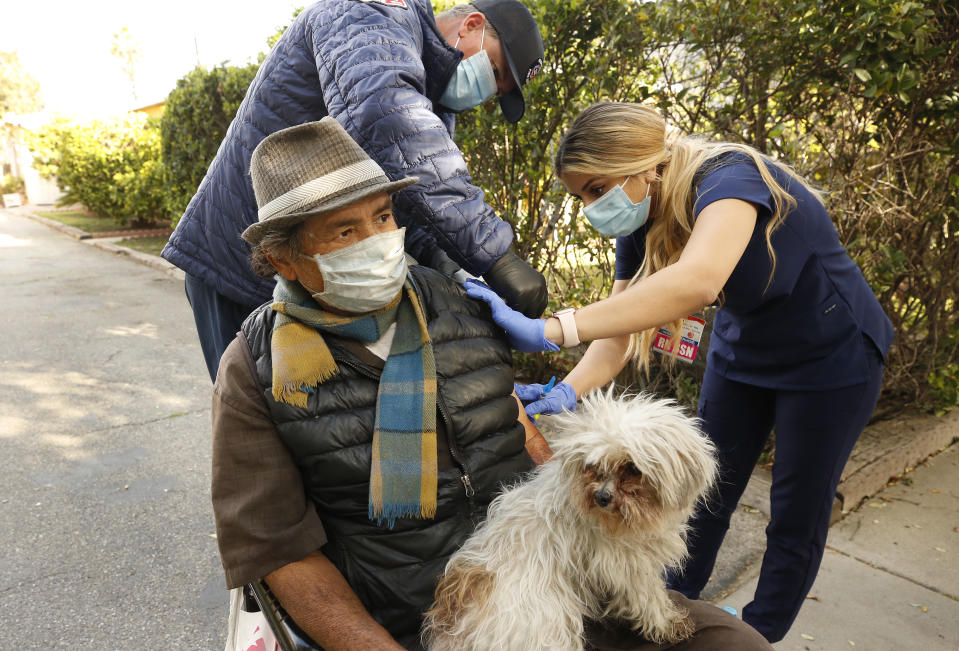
pixel 153 261
pixel 885 449
pixel 890 448
pixel 106 244
pixel 72 231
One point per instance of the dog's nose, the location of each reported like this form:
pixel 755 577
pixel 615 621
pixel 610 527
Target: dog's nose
pixel 603 497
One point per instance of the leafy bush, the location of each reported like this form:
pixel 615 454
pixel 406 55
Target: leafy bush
pixel 146 170
pixel 197 114
pixel 10 184
pixel 145 190
pixel 860 96
pixel 47 145
pixel 110 166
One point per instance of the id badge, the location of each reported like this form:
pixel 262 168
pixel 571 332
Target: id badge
pixel 692 334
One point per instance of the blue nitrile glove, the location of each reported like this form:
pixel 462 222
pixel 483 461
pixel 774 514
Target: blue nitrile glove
pixel 525 335
pixel 527 393
pixel 540 399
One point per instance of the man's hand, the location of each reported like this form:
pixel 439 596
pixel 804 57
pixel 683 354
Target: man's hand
pixel 519 284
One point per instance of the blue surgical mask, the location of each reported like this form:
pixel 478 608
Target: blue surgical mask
pixel 614 214
pixel 473 81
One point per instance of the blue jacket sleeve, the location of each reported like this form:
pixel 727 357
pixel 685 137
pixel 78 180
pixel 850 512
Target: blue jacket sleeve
pixel 370 61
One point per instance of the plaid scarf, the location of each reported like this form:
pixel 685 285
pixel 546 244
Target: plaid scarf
pixel 403 475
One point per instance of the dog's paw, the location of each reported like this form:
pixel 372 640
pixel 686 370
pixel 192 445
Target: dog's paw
pixel 459 601
pixel 675 627
pixel 680 629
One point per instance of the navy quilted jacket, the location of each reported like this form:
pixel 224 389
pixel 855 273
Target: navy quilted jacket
pixel 378 69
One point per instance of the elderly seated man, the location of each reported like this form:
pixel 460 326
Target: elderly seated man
pixel 364 419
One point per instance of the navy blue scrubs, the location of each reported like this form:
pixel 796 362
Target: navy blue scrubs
pixel 802 354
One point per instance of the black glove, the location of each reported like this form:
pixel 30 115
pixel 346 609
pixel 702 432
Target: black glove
pixel 443 263
pixel 522 287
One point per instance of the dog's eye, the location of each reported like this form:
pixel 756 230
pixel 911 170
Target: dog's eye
pixel 629 470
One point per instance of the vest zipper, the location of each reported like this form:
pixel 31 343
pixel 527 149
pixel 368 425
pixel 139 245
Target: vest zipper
pixel 467 485
pixel 454 450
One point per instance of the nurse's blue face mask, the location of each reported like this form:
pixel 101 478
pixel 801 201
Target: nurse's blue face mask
pixel 472 83
pixel 614 214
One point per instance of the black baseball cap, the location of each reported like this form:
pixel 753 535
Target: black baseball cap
pixel 522 44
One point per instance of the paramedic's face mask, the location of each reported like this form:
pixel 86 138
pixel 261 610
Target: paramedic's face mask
pixel 472 83
pixel 607 205
pixel 483 72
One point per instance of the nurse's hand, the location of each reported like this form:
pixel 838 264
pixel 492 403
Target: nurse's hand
pixel 548 399
pixel 525 335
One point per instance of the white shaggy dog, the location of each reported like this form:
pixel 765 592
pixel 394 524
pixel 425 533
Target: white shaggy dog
pixel 588 536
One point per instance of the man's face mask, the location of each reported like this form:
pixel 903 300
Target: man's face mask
pixel 473 81
pixel 365 276
pixel 614 214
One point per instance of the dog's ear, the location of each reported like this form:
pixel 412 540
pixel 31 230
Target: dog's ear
pixel 697 467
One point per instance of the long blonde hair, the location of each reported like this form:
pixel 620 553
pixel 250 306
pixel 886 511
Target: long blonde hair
pixel 624 139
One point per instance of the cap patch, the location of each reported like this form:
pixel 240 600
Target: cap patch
pixel 534 69
pixel 389 3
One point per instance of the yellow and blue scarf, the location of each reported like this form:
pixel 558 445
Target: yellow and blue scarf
pixel 403 475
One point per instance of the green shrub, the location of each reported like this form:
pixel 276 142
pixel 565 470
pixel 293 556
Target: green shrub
pixel 195 119
pixel 10 184
pixel 47 145
pixel 859 95
pixel 144 190
pixel 110 166
pixel 944 384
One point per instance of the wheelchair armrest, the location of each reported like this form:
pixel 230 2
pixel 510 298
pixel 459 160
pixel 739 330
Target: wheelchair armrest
pixel 289 636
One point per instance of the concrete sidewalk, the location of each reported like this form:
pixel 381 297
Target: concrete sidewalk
pixel 104 243
pixel 105 519
pixel 890 576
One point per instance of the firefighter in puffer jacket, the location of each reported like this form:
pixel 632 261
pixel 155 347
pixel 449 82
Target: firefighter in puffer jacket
pixel 393 76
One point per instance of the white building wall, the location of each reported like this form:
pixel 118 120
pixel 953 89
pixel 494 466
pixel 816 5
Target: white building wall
pixel 40 191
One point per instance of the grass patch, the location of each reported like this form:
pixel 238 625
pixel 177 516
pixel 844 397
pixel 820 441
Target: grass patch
pixel 151 245
pixel 83 221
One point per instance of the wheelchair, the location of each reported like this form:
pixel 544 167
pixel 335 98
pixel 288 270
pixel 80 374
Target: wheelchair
pixel 258 598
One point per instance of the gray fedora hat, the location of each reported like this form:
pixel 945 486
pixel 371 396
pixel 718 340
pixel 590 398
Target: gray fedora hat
pixel 308 170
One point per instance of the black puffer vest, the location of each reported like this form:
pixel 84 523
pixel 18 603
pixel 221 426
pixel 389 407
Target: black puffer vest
pixel 393 571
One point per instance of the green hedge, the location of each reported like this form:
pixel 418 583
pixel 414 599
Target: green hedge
pixel 110 166
pixel 10 184
pixel 197 115
pixel 138 169
pixel 859 95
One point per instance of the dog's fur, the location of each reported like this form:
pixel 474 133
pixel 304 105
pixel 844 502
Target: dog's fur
pixel 550 554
